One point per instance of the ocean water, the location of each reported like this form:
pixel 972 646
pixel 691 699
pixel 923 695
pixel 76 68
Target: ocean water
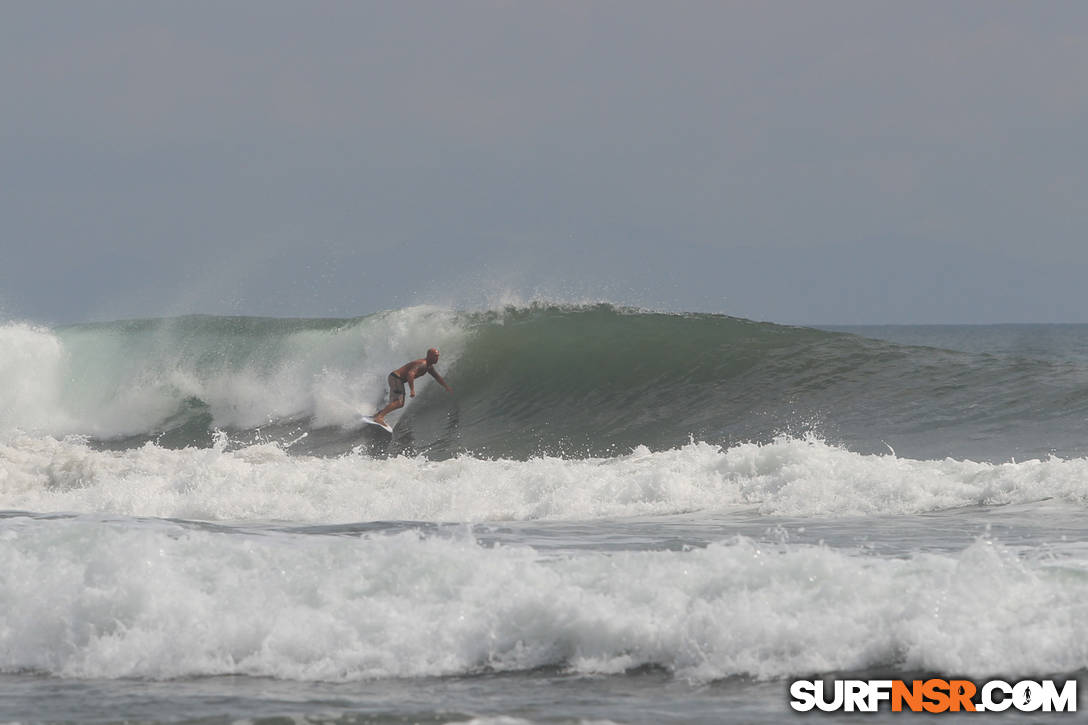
pixel 619 516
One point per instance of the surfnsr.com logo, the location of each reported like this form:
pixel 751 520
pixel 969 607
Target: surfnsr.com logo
pixel 933 695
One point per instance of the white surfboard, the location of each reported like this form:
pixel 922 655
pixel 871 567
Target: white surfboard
pixel 383 426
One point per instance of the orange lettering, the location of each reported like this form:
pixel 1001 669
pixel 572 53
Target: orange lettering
pixel 937 692
pixel 961 692
pixel 912 695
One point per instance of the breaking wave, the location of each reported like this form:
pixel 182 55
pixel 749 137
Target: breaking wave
pixel 575 381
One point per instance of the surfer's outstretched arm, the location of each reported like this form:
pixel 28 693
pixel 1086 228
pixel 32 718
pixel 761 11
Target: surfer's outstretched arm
pixel 440 379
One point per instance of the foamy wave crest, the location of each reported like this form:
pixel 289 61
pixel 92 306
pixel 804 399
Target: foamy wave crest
pixel 130 378
pixel 789 477
pixel 32 364
pixel 82 598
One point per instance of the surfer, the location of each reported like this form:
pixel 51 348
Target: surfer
pixel 407 373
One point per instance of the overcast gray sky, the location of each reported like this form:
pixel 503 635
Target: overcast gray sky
pixel 801 162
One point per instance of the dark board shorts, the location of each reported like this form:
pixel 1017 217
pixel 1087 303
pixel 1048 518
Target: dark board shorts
pixel 396 388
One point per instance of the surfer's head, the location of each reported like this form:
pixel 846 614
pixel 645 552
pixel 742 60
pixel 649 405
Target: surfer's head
pixel 432 355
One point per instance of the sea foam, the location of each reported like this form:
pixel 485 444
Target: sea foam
pixel 32 363
pixel 95 599
pixel 788 477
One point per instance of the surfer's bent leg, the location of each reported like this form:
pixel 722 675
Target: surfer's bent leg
pixel 396 397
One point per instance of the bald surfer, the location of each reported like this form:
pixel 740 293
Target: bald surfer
pixel 407 373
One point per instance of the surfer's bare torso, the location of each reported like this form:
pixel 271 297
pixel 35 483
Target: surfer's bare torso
pixel 407 374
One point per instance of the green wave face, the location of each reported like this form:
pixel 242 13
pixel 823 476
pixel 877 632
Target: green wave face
pixel 594 380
